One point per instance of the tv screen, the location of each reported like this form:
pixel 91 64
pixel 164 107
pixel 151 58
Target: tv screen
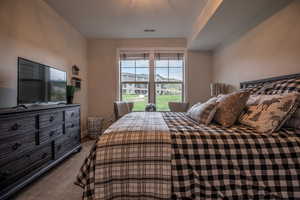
pixel 39 83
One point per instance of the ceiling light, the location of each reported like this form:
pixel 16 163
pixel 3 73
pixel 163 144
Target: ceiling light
pixel 149 30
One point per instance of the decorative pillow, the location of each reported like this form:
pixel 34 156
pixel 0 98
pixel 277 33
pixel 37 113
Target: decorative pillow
pixel 230 107
pixel 203 113
pixel 294 121
pixel 193 107
pixel 267 113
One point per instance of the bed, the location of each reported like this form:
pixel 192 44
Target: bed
pixel 166 155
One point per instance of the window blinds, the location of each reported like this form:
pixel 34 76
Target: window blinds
pixel 169 56
pixel 134 56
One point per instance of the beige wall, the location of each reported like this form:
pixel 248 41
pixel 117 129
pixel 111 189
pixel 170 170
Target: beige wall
pixel 102 70
pixel 199 76
pixel 270 49
pixel 32 30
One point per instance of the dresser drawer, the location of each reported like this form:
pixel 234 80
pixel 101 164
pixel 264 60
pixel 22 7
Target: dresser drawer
pixel 73 126
pixel 24 164
pixel 16 145
pixel 46 135
pixel 61 147
pixel 64 145
pixel 14 126
pixel 50 119
pixel 72 114
pixel 74 137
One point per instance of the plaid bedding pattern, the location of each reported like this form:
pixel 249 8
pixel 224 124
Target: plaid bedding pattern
pixel 131 160
pixel 211 162
pixel 279 87
pixel 254 89
pixel 170 156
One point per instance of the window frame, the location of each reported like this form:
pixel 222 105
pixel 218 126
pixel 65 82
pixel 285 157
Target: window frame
pixel 152 75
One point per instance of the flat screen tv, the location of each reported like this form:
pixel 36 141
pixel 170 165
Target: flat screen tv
pixel 39 84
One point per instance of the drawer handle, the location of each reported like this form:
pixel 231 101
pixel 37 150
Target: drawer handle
pixel 72 126
pixel 16 146
pixel 15 127
pixel 51 119
pixel 72 114
pixel 44 155
pixel 51 133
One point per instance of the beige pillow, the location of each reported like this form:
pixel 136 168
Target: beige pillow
pixel 230 107
pixel 267 113
pixel 203 113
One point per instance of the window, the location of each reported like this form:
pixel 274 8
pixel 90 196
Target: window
pixel 168 79
pixel 160 82
pixel 134 78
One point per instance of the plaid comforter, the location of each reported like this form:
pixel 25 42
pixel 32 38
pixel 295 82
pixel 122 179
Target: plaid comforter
pixel 131 160
pixel 205 162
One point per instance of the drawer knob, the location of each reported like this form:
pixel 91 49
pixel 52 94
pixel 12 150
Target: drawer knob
pixel 72 126
pixel 15 127
pixel 44 155
pixel 72 114
pixel 51 133
pixel 51 119
pixel 16 146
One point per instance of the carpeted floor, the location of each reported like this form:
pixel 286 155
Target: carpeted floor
pixel 58 183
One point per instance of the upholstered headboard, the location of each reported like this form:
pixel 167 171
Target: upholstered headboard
pixel 247 84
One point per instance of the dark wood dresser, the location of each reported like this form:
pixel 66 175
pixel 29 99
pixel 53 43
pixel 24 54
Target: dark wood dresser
pixel 33 140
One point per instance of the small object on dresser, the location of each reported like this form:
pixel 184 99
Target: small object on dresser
pixel 94 127
pixel 76 82
pixel 150 107
pixel 70 94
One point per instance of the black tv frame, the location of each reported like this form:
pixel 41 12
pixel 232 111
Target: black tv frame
pixel 37 103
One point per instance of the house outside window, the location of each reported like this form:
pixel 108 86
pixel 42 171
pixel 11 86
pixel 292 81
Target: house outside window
pixel 151 77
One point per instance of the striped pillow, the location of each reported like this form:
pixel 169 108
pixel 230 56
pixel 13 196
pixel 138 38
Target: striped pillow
pixel 203 113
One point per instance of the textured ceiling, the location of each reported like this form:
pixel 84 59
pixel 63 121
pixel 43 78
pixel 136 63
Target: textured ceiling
pixel 129 18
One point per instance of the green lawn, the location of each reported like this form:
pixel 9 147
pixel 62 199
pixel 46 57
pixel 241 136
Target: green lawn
pixel 161 101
